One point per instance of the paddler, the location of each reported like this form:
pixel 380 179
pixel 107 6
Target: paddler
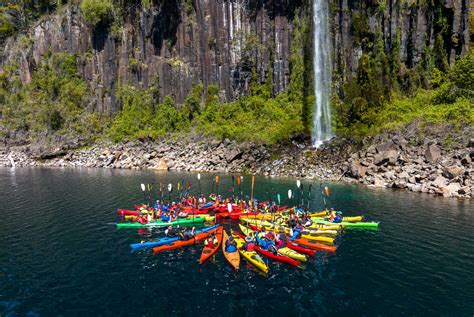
pixel 230 245
pixel 188 234
pixel 170 232
pixel 211 241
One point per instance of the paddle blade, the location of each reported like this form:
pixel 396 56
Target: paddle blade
pixel 298 183
pixel 229 207
pixel 199 176
pixel 142 186
pixel 170 187
pixel 289 193
pixel 326 191
pixel 278 198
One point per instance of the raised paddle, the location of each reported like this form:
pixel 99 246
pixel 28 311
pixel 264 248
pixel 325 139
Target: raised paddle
pixel 143 190
pixel 199 181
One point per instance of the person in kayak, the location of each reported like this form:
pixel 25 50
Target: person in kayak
pixel 170 232
pixel 230 245
pixel 337 218
pixel 165 217
pixel 211 241
pixel 188 234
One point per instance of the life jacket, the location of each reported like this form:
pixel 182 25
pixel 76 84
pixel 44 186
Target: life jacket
pixel 231 248
pixel 250 247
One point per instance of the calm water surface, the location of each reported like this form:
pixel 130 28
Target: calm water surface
pixel 60 255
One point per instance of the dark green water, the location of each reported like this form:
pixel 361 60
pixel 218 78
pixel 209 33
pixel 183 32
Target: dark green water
pixel 60 256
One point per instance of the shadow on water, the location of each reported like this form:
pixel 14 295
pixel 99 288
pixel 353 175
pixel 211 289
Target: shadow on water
pixel 59 255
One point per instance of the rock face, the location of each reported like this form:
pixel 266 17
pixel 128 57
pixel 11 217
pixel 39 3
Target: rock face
pixel 172 46
pixel 176 44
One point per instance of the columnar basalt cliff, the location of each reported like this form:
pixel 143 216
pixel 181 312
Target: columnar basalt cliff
pixel 175 44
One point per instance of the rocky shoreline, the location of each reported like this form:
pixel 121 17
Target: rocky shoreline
pixel 393 162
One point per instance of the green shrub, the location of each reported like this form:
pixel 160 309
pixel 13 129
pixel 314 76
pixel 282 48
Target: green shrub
pixel 96 11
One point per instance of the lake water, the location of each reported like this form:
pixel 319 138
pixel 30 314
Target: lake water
pixel 60 254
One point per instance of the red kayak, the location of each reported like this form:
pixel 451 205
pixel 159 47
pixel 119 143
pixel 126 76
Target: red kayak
pixel 301 249
pixel 195 211
pixel 279 258
pixel 235 215
pixel 128 212
pixel 224 208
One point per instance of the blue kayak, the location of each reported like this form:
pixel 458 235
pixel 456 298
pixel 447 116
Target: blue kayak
pixel 163 241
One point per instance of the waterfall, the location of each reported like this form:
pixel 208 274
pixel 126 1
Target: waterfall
pixel 322 73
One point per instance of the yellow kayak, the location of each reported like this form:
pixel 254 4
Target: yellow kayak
pixel 269 226
pixel 252 257
pixel 346 219
pixel 292 254
pixel 318 238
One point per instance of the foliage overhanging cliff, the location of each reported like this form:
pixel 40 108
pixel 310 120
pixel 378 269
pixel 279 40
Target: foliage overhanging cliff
pixel 238 69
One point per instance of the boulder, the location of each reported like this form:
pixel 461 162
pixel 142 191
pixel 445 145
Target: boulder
pixel 432 153
pixel 233 155
pixel 440 182
pixel 356 170
pixel 466 160
pixel 382 158
pixel 378 181
pixel 451 190
pixel 160 164
pixel 453 171
pixel 386 146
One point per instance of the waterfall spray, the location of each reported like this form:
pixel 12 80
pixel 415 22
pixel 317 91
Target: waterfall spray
pixel 322 73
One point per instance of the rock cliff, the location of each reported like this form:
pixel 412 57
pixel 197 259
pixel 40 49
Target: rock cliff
pixel 175 44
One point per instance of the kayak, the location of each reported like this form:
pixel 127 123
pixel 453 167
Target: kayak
pixel 292 254
pixel 311 231
pixel 252 257
pixel 299 249
pixel 319 238
pixel 165 240
pixel 160 223
pixel 206 216
pixel 124 212
pixel 310 236
pixel 345 219
pixel 207 252
pixel 181 243
pixel 315 245
pixel 234 215
pixel 267 224
pixel 232 257
pixel 279 258
pixel 284 259
pixel 350 225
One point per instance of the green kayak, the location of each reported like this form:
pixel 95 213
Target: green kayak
pixel 160 223
pixel 351 225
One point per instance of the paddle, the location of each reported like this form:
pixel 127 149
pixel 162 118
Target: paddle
pixel 298 184
pixel 170 189
pixel 240 181
pixel 199 181
pixel 143 190
pixel 217 185
pixel 309 194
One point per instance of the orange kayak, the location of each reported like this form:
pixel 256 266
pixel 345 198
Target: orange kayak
pixel 207 252
pixel 182 243
pixel 315 245
pixel 232 257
